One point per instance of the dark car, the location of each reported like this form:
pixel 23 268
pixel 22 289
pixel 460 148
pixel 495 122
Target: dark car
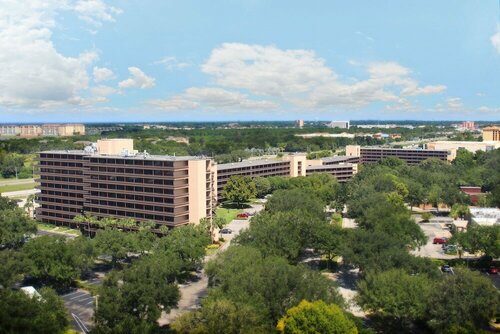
pixel 493 270
pixel 445 268
pixel 440 240
pixel 226 231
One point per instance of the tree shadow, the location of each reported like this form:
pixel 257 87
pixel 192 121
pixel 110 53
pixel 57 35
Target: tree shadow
pixel 232 205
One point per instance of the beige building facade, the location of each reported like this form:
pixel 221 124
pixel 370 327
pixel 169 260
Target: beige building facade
pixel 491 133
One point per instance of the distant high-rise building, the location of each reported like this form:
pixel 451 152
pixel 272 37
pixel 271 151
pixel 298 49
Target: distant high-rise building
pixel 339 124
pixel 299 123
pixel 491 133
pixel 28 131
pixel 468 125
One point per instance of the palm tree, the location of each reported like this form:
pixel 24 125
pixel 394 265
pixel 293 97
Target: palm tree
pixel 29 206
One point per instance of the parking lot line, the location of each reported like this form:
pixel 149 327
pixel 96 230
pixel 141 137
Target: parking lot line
pixel 70 294
pixel 81 294
pixel 83 298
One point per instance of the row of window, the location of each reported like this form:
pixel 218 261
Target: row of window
pixel 61 156
pixel 129 205
pixel 138 180
pixel 59 163
pixel 138 215
pixel 62 179
pixel 61 186
pixel 158 172
pixel 59 193
pixel 62 208
pixel 132 197
pixel 61 171
pixel 60 201
pixel 132 188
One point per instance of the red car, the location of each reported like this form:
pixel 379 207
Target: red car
pixel 493 271
pixel 440 240
pixel 243 215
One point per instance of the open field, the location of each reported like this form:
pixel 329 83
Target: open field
pixel 17 187
pixel 227 214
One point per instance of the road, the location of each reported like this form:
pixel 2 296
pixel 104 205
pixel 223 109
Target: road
pixel 193 292
pixel 20 193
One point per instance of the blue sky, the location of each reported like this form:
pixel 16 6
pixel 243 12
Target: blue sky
pixel 95 60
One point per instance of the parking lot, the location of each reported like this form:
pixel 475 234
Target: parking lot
pixel 80 305
pixel 433 230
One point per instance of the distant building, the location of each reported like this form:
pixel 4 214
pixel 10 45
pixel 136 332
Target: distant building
pixel 395 136
pixel 30 131
pixel 71 129
pixel 491 133
pixel 299 123
pixel 473 192
pixel 50 130
pixel 471 146
pixel 291 165
pixel 339 124
pixel 411 156
pixel 9 130
pixel 468 125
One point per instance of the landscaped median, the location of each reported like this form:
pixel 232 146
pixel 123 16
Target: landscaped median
pixel 58 229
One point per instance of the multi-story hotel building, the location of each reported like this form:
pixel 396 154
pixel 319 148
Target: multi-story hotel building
pixel 112 180
pixel 411 156
pixel 291 165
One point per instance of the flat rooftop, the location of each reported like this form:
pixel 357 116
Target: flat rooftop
pixel 138 156
pixel 248 163
pixel 400 149
pixel 339 158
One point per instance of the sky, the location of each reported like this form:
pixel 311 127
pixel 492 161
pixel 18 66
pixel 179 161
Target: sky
pixel 221 60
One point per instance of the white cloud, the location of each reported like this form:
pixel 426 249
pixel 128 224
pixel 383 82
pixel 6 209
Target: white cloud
pixel 171 63
pixel 454 103
pixel 303 79
pixel 138 79
pixel 103 90
pixel 34 73
pixel 196 97
pixel 95 11
pixel 102 74
pixel 485 109
pixel 495 39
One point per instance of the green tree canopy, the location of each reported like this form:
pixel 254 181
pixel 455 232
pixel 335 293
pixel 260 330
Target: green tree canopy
pixel 239 189
pixel 462 298
pixel 15 227
pixel 20 313
pixel 316 317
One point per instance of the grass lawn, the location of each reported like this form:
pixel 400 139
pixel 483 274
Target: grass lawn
pixel 53 228
pixel 227 214
pixel 16 187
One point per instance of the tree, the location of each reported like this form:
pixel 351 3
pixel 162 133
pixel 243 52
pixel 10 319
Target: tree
pixel 53 260
pixel 15 227
pixel 20 313
pixel 484 239
pixel 187 243
pixel 395 295
pixel 462 298
pixel 262 186
pixel 14 265
pixel 132 301
pixel 316 317
pixel 7 204
pixel 459 210
pixel 222 316
pixel 292 199
pixel 29 206
pixel 269 284
pixel 114 243
pixel 426 216
pixel 239 189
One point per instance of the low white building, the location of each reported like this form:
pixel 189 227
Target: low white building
pixel 339 124
pixel 485 216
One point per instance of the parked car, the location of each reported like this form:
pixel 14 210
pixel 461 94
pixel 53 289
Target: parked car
pixel 450 248
pixel 445 268
pixel 226 231
pixel 243 215
pixel 493 270
pixel 440 240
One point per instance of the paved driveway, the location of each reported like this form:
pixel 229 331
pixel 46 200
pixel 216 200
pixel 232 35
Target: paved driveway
pixel 193 292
